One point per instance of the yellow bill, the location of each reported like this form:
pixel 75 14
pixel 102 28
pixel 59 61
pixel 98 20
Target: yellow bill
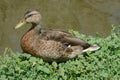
pixel 20 24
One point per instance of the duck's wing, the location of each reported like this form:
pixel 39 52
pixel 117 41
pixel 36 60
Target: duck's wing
pixel 65 38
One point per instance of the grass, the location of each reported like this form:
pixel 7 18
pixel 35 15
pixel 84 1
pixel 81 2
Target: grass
pixel 99 65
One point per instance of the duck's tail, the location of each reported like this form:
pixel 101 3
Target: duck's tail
pixel 92 48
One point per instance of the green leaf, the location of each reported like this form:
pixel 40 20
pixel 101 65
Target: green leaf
pixel 54 64
pixel 43 69
pixel 33 59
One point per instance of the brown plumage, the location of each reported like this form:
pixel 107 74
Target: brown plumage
pixel 51 45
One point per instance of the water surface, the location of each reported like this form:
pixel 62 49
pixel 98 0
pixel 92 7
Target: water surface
pixel 85 16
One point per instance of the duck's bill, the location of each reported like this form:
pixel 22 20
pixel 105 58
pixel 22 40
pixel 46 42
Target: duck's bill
pixel 20 24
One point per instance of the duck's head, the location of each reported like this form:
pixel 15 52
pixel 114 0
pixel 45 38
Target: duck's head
pixel 31 16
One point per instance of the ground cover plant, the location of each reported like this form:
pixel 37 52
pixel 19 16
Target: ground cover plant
pixel 103 64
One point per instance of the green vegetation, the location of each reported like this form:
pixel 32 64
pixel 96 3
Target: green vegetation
pixel 103 64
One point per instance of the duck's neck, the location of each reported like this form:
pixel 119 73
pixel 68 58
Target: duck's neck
pixel 36 28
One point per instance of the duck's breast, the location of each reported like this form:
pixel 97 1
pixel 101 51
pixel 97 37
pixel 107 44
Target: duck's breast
pixel 28 42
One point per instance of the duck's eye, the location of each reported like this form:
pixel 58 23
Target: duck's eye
pixel 28 16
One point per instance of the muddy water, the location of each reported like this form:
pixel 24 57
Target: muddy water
pixel 85 16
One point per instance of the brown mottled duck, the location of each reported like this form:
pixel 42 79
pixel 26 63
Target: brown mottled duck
pixel 50 45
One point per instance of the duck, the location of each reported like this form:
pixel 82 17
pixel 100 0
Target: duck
pixel 50 44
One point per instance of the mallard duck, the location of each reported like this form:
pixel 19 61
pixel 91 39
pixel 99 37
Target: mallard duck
pixel 50 45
